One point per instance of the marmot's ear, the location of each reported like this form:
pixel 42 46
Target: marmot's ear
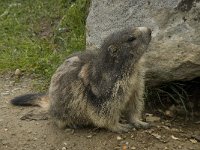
pixel 112 49
pixel 84 74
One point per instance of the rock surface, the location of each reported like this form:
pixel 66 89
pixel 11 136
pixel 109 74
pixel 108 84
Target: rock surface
pixel 174 53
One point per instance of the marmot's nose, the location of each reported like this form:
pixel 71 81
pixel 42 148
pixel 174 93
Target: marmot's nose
pixel 149 31
pixel 145 29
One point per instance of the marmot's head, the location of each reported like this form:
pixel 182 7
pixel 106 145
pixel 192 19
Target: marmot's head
pixel 127 44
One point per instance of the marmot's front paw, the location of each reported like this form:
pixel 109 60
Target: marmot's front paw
pixel 140 124
pixel 120 128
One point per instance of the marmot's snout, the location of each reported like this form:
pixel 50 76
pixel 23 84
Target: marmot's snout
pixel 145 30
pixel 146 33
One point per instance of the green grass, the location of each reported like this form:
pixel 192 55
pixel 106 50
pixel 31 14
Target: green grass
pixel 36 35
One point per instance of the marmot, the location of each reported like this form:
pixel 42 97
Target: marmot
pixel 99 87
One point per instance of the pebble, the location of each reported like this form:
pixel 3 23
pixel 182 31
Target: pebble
pixel 17 72
pixel 117 147
pixel 157 136
pixel 193 141
pixel 133 147
pixel 89 136
pixel 65 143
pixel 174 129
pixel 68 130
pixel 132 136
pixel 166 127
pixel 119 138
pixel 152 118
pixel 174 138
pixel 147 114
pixel 64 148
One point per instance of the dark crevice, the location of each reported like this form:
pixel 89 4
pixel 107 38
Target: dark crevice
pixel 184 96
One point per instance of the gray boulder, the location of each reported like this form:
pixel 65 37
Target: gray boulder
pixel 174 53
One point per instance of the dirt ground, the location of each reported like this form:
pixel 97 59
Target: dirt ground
pixel 27 128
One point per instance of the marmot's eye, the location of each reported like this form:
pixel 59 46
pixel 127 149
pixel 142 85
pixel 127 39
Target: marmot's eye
pixel 131 39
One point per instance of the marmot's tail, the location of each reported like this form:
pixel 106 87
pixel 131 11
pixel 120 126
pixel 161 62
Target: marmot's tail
pixel 41 100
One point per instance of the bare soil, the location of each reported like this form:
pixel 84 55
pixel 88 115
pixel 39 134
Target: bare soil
pixel 28 128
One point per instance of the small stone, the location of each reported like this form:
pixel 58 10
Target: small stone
pixel 156 135
pixel 117 148
pixel 127 143
pixel 174 138
pixel 193 141
pixel 133 147
pixel 64 148
pixel 70 130
pixel 119 138
pixel 65 143
pixel 133 129
pixel 152 119
pixel 147 114
pixel 17 72
pixel 89 136
pixel 166 127
pixel 175 130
